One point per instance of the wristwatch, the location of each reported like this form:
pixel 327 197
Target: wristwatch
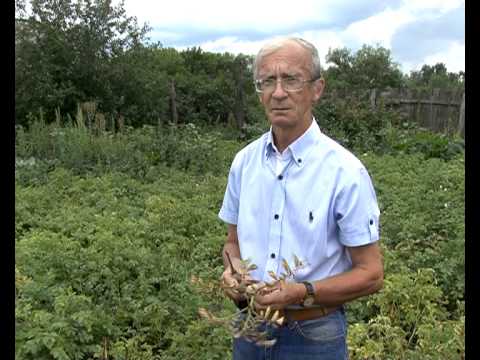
pixel 309 298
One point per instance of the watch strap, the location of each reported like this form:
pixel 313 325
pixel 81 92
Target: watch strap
pixel 309 298
pixel 310 288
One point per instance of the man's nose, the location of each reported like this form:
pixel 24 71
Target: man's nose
pixel 279 92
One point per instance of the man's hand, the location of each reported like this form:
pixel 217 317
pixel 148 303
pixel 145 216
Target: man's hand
pixel 231 283
pixel 280 296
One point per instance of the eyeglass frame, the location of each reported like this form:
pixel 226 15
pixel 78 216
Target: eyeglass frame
pixel 280 79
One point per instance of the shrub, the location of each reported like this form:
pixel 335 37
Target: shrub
pixel 107 240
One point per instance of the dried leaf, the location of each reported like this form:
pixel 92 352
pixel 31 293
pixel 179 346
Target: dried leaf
pixel 298 263
pixel 252 267
pixel 267 312
pixel 287 267
pixel 273 275
pixel 205 313
pixel 251 289
pixel 275 316
pixel 266 343
pixel 241 288
pixel 237 334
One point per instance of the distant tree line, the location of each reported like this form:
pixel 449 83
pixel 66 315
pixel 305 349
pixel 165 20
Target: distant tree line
pixel 71 52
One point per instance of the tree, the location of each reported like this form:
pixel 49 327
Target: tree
pixel 64 51
pixel 368 68
pixel 437 76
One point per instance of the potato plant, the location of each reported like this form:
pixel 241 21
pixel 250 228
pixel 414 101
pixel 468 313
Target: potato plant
pixel 105 254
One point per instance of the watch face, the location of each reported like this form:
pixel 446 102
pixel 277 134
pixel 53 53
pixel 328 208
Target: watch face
pixel 309 301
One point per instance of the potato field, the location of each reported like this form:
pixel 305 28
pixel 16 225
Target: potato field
pixel 110 228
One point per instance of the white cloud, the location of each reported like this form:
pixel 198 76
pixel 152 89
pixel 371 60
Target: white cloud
pixel 232 45
pixel 453 57
pixel 378 28
pixel 243 27
pixel 323 40
pixel 264 16
pixel 441 6
pixel 219 15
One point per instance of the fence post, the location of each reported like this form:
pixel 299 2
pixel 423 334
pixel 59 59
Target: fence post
pixel 461 119
pixel 418 112
pixel 433 110
pixel 373 98
pixel 173 103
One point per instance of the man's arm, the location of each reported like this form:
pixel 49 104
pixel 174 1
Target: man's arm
pixel 231 246
pixel 365 277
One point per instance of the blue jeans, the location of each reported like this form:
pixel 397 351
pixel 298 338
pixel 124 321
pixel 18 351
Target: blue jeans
pixel 322 339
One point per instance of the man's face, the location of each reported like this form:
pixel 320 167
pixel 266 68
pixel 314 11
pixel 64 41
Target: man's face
pixel 289 109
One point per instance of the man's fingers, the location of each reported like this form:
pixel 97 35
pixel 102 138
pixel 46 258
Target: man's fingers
pixel 270 297
pixel 230 281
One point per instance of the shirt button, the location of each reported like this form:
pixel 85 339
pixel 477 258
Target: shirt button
pixel 299 160
pixel 276 216
pixel 371 222
pixel 280 177
pixel 272 255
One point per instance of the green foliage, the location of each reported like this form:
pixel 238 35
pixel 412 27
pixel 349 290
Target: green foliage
pixel 369 68
pixel 116 251
pixel 435 77
pixel 110 228
pixel 409 309
pixel 65 53
pixel 136 152
pixel 355 125
pixel 431 145
pixel 71 52
pixel 422 206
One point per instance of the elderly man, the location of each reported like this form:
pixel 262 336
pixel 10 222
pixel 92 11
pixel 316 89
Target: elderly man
pixel 294 192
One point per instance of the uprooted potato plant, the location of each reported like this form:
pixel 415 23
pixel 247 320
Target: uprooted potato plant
pixel 247 322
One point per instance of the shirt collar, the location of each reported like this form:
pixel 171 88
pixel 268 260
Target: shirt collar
pixel 300 147
pixel 270 146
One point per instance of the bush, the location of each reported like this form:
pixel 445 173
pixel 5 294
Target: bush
pixel 358 127
pixel 355 125
pixel 138 152
pixel 110 229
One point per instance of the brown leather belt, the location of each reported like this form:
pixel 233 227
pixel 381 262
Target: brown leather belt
pixel 307 313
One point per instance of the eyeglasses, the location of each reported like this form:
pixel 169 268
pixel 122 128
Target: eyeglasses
pixel 289 84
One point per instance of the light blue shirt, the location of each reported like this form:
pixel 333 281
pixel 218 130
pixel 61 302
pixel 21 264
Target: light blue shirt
pixel 322 201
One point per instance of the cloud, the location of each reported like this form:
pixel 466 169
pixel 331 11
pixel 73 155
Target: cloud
pixel 196 21
pixel 376 29
pixel 414 30
pixel 433 34
pixel 453 56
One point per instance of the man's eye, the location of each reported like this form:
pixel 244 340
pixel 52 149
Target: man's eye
pixel 291 80
pixel 268 82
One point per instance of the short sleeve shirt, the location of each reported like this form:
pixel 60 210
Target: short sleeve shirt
pixel 320 201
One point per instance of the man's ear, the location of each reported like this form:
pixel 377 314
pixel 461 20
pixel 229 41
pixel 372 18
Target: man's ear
pixel 318 87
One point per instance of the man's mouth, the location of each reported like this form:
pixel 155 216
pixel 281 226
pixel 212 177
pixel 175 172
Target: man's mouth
pixel 280 109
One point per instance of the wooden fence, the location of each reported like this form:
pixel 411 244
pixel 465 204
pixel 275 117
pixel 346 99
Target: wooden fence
pixel 439 110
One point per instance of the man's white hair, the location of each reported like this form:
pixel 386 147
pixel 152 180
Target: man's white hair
pixel 278 43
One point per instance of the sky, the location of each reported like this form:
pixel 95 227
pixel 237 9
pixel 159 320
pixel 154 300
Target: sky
pixel 417 32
